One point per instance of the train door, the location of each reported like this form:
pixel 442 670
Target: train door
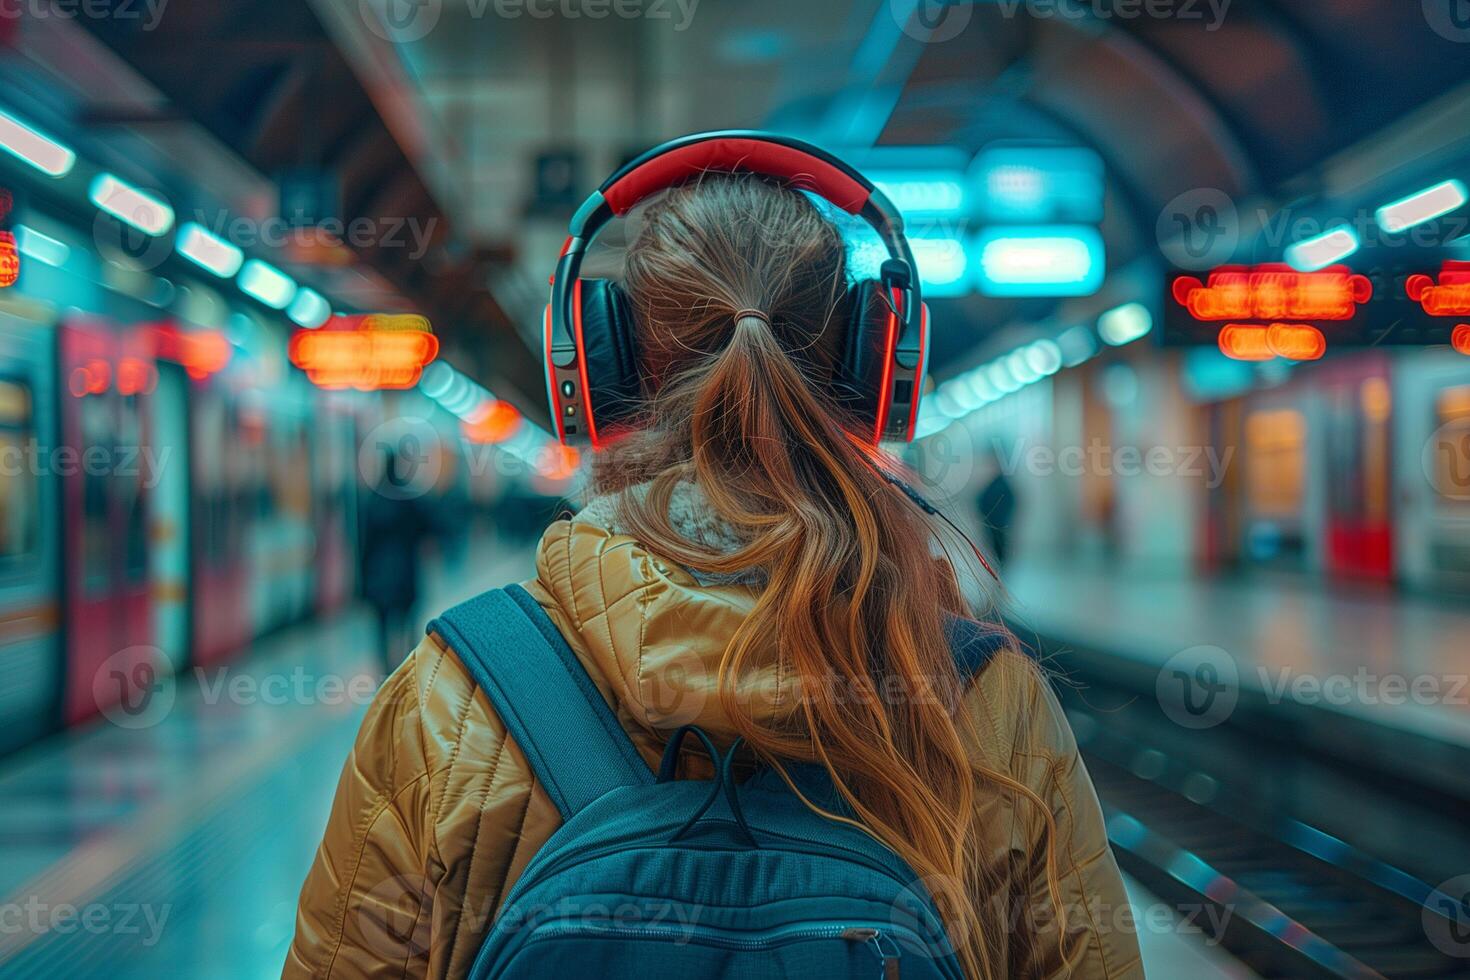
pixel 1432 428
pixel 1275 525
pixel 30 649
pixel 105 508
pixel 168 473
pixel 1358 450
pixel 221 622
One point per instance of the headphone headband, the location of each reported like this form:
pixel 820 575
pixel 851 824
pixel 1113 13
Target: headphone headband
pixel 800 164
pixel 897 340
pixel 797 162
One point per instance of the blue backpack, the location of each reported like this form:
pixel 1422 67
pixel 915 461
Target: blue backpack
pixel 652 877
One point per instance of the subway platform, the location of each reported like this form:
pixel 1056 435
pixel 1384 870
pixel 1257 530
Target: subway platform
pixel 177 848
pixel 1380 658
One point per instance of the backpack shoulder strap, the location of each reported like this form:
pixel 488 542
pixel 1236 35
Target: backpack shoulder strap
pixel 543 695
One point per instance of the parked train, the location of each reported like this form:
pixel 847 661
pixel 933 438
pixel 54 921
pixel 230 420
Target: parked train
pixel 168 491
pixel 1353 471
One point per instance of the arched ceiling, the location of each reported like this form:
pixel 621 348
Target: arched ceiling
pixel 1244 96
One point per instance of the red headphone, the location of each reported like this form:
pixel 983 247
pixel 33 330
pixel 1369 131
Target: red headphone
pixel 592 379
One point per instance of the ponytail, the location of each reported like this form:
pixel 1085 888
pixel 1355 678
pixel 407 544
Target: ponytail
pixel 738 291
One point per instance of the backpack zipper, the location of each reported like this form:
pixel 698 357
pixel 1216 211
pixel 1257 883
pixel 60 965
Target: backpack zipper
pixel 879 941
pixel 875 939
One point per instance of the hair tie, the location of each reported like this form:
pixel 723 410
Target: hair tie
pixel 742 314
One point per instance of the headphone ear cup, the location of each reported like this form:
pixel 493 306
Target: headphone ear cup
pixel 604 326
pixel 867 348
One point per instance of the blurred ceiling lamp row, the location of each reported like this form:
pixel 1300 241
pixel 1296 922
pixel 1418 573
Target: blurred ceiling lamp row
pixel 150 214
pixel 487 420
pixel 1335 244
pixel 1033 362
pixel 1019 261
pixel 1034 206
pixel 1013 184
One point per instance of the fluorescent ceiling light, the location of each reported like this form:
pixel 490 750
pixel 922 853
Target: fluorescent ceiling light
pixel 1428 204
pixel 309 309
pixel 209 251
pixel 268 284
pixel 34 147
pixel 1040 261
pixel 131 205
pixel 1125 324
pixel 1322 251
pixel 42 248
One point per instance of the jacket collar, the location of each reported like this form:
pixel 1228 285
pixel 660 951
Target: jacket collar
pixel 690 514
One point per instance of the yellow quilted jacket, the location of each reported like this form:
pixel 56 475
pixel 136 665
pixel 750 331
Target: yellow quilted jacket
pixel 437 812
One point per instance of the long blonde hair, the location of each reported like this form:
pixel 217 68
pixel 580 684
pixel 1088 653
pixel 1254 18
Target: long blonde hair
pixel 745 408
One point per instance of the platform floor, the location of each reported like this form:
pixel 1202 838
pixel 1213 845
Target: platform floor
pixel 1277 631
pixel 178 850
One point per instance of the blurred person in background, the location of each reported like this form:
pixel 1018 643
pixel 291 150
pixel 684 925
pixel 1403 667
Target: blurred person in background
pixel 395 523
pixel 748 559
pixel 997 506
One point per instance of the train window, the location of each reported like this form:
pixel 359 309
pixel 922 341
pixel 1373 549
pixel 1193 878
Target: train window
pixel 1276 446
pixel 1452 448
pixel 19 482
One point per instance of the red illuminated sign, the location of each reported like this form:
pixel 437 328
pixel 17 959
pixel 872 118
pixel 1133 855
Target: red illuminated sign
pixel 1273 292
pixel 1259 342
pixel 365 352
pixel 91 378
pixel 9 260
pixel 200 351
pixel 136 376
pixel 1460 341
pixel 1448 297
